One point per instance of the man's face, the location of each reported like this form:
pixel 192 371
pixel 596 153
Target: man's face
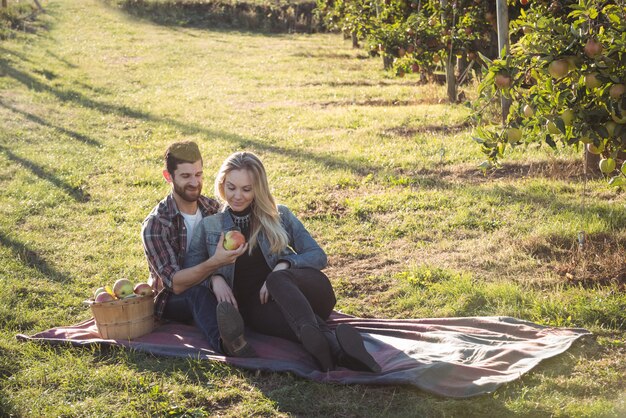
pixel 187 181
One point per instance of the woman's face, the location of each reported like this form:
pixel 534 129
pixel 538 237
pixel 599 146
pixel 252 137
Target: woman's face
pixel 238 190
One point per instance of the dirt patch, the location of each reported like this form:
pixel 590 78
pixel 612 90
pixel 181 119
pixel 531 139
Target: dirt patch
pixel 597 259
pixel 569 170
pixel 380 102
pixel 407 132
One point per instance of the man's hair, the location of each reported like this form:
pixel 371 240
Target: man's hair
pixel 180 153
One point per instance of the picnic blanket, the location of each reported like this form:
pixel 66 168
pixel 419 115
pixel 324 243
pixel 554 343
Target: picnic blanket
pixel 454 357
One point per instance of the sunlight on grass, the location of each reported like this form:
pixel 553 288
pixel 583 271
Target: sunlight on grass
pixel 380 169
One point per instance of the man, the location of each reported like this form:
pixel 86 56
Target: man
pixel 183 294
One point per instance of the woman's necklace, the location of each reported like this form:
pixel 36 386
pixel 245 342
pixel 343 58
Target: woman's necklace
pixel 241 221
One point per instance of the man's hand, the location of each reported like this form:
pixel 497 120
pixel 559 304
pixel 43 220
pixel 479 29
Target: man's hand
pixel 222 291
pixel 223 256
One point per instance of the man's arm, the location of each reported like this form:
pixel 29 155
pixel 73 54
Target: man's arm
pixel 192 276
pixel 163 259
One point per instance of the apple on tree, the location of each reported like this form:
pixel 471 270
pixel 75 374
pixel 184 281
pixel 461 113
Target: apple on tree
pixel 607 165
pixel 593 48
pixel 558 68
pixel 617 90
pixel 592 81
pixel 503 80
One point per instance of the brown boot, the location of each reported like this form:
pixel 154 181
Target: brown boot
pixel 354 355
pixel 231 326
pixel 315 343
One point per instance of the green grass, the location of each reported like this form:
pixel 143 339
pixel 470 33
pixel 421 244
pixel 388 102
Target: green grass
pixel 379 168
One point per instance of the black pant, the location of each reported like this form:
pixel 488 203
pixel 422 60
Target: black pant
pixel 297 297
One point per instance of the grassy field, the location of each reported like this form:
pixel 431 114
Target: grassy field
pixel 381 169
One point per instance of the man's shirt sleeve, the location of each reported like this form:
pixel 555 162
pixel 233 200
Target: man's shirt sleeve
pixel 161 256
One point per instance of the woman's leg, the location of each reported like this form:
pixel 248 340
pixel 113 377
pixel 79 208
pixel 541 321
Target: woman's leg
pixel 266 318
pixel 302 294
pixel 305 298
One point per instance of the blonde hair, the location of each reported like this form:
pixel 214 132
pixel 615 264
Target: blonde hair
pixel 264 215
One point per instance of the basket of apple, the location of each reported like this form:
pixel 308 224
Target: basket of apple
pixel 123 311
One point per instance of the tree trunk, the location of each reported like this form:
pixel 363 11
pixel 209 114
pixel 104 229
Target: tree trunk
pixel 451 79
pixel 5 3
pixel 503 44
pixel 355 40
pixel 387 61
pixel 591 162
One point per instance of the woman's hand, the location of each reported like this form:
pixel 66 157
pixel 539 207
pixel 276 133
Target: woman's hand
pixel 222 291
pixel 223 256
pixel 264 294
pixel 282 265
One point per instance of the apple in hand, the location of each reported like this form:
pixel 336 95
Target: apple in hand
pixel 122 288
pixel 143 289
pixel 103 297
pixel 233 240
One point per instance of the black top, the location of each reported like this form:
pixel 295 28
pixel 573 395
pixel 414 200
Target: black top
pixel 251 270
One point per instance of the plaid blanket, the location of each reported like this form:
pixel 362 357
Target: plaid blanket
pixel 454 357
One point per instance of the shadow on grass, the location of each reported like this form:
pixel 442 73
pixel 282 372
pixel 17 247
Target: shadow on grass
pixel 75 192
pixel 300 397
pixel 36 119
pixel 31 259
pixel 267 17
pixel 79 98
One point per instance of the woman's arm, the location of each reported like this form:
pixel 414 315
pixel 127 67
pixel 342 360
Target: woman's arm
pixel 308 253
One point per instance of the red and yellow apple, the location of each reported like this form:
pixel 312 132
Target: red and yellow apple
pixel 143 289
pixel 233 240
pixel 122 288
pixel 103 297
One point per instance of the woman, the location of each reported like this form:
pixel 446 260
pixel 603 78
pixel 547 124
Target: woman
pixel 277 284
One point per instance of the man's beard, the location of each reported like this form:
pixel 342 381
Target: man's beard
pixel 188 194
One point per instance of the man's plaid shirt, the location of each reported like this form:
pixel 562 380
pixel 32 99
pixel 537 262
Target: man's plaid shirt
pixel 164 237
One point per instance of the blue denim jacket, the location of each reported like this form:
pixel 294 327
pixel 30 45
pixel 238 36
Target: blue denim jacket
pixel 303 250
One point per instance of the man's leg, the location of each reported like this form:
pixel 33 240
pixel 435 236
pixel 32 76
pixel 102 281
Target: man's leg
pixel 197 303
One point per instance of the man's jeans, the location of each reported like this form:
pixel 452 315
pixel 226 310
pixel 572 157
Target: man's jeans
pixel 197 304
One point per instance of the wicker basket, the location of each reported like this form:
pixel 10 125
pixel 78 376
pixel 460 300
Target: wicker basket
pixel 124 319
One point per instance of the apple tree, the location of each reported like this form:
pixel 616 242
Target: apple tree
pixel 565 75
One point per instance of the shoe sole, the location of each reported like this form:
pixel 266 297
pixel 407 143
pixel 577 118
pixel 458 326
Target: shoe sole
pixel 351 343
pixel 315 343
pixel 231 328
